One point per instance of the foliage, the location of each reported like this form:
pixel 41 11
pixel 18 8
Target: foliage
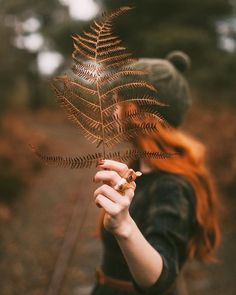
pixel 103 79
pixel 154 28
pixel 158 27
pixel 20 82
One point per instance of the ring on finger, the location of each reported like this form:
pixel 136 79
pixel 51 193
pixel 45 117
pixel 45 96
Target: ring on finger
pixel 123 185
pixel 130 175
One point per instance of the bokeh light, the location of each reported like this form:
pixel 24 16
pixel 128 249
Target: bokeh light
pixel 48 62
pixel 81 9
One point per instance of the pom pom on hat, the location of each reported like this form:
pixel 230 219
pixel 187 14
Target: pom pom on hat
pixel 180 60
pixel 172 87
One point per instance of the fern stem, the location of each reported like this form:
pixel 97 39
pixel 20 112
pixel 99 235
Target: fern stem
pixel 98 91
pixel 102 119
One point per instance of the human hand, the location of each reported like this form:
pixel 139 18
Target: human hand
pixel 117 219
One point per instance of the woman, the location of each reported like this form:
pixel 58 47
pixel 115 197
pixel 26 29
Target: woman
pixel 169 214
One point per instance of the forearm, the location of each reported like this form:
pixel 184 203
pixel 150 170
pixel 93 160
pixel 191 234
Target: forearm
pixel 144 262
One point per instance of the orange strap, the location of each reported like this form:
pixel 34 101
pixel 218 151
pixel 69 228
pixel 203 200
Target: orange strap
pixel 103 279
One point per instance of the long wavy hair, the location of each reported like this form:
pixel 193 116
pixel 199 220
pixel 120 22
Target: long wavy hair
pixel 189 163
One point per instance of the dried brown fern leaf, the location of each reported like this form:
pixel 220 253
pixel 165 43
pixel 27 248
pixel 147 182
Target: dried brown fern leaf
pixel 69 162
pixel 111 45
pixel 125 86
pixel 122 73
pixel 123 134
pixel 87 161
pixel 135 154
pixel 141 100
pixel 85 74
pixel 85 122
pixel 82 103
pixel 135 114
pixel 120 63
pixel 77 85
pixel 103 79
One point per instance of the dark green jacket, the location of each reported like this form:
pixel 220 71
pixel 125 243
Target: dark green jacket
pixel 164 210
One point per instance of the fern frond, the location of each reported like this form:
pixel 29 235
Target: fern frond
pixel 84 38
pixel 118 57
pixel 119 11
pixel 115 41
pixel 91 35
pixel 87 161
pixel 140 100
pixel 68 162
pixel 154 113
pixel 84 53
pixel 103 79
pixel 122 73
pixel 148 113
pixel 122 134
pixel 99 26
pixel 87 121
pixel 110 51
pixel 86 66
pixel 77 84
pixel 108 39
pixel 135 154
pixel 88 126
pixel 131 85
pixel 89 134
pixel 82 103
pixel 84 74
pixel 119 64
pixel 95 29
pixel 106 34
pixel 82 43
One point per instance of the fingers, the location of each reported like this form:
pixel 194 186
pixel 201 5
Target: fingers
pixel 123 186
pixel 107 176
pixel 106 196
pixel 115 196
pixel 112 178
pixel 119 167
pixel 109 206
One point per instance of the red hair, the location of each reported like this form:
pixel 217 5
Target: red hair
pixel 189 163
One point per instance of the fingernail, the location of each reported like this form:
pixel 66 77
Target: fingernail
pixel 100 162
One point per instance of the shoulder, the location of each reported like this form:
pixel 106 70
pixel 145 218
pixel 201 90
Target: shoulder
pixel 168 178
pixel 172 190
pixel 172 182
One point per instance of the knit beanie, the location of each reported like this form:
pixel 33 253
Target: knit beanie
pixel 172 88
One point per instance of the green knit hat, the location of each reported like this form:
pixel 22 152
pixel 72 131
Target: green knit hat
pixel 172 88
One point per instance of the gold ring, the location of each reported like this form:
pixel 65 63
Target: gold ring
pixel 126 181
pixel 130 175
pixel 123 185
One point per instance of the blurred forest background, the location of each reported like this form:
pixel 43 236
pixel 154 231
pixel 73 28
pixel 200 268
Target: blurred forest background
pixel 37 202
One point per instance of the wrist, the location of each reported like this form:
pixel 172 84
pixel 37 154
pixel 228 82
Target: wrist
pixel 125 230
